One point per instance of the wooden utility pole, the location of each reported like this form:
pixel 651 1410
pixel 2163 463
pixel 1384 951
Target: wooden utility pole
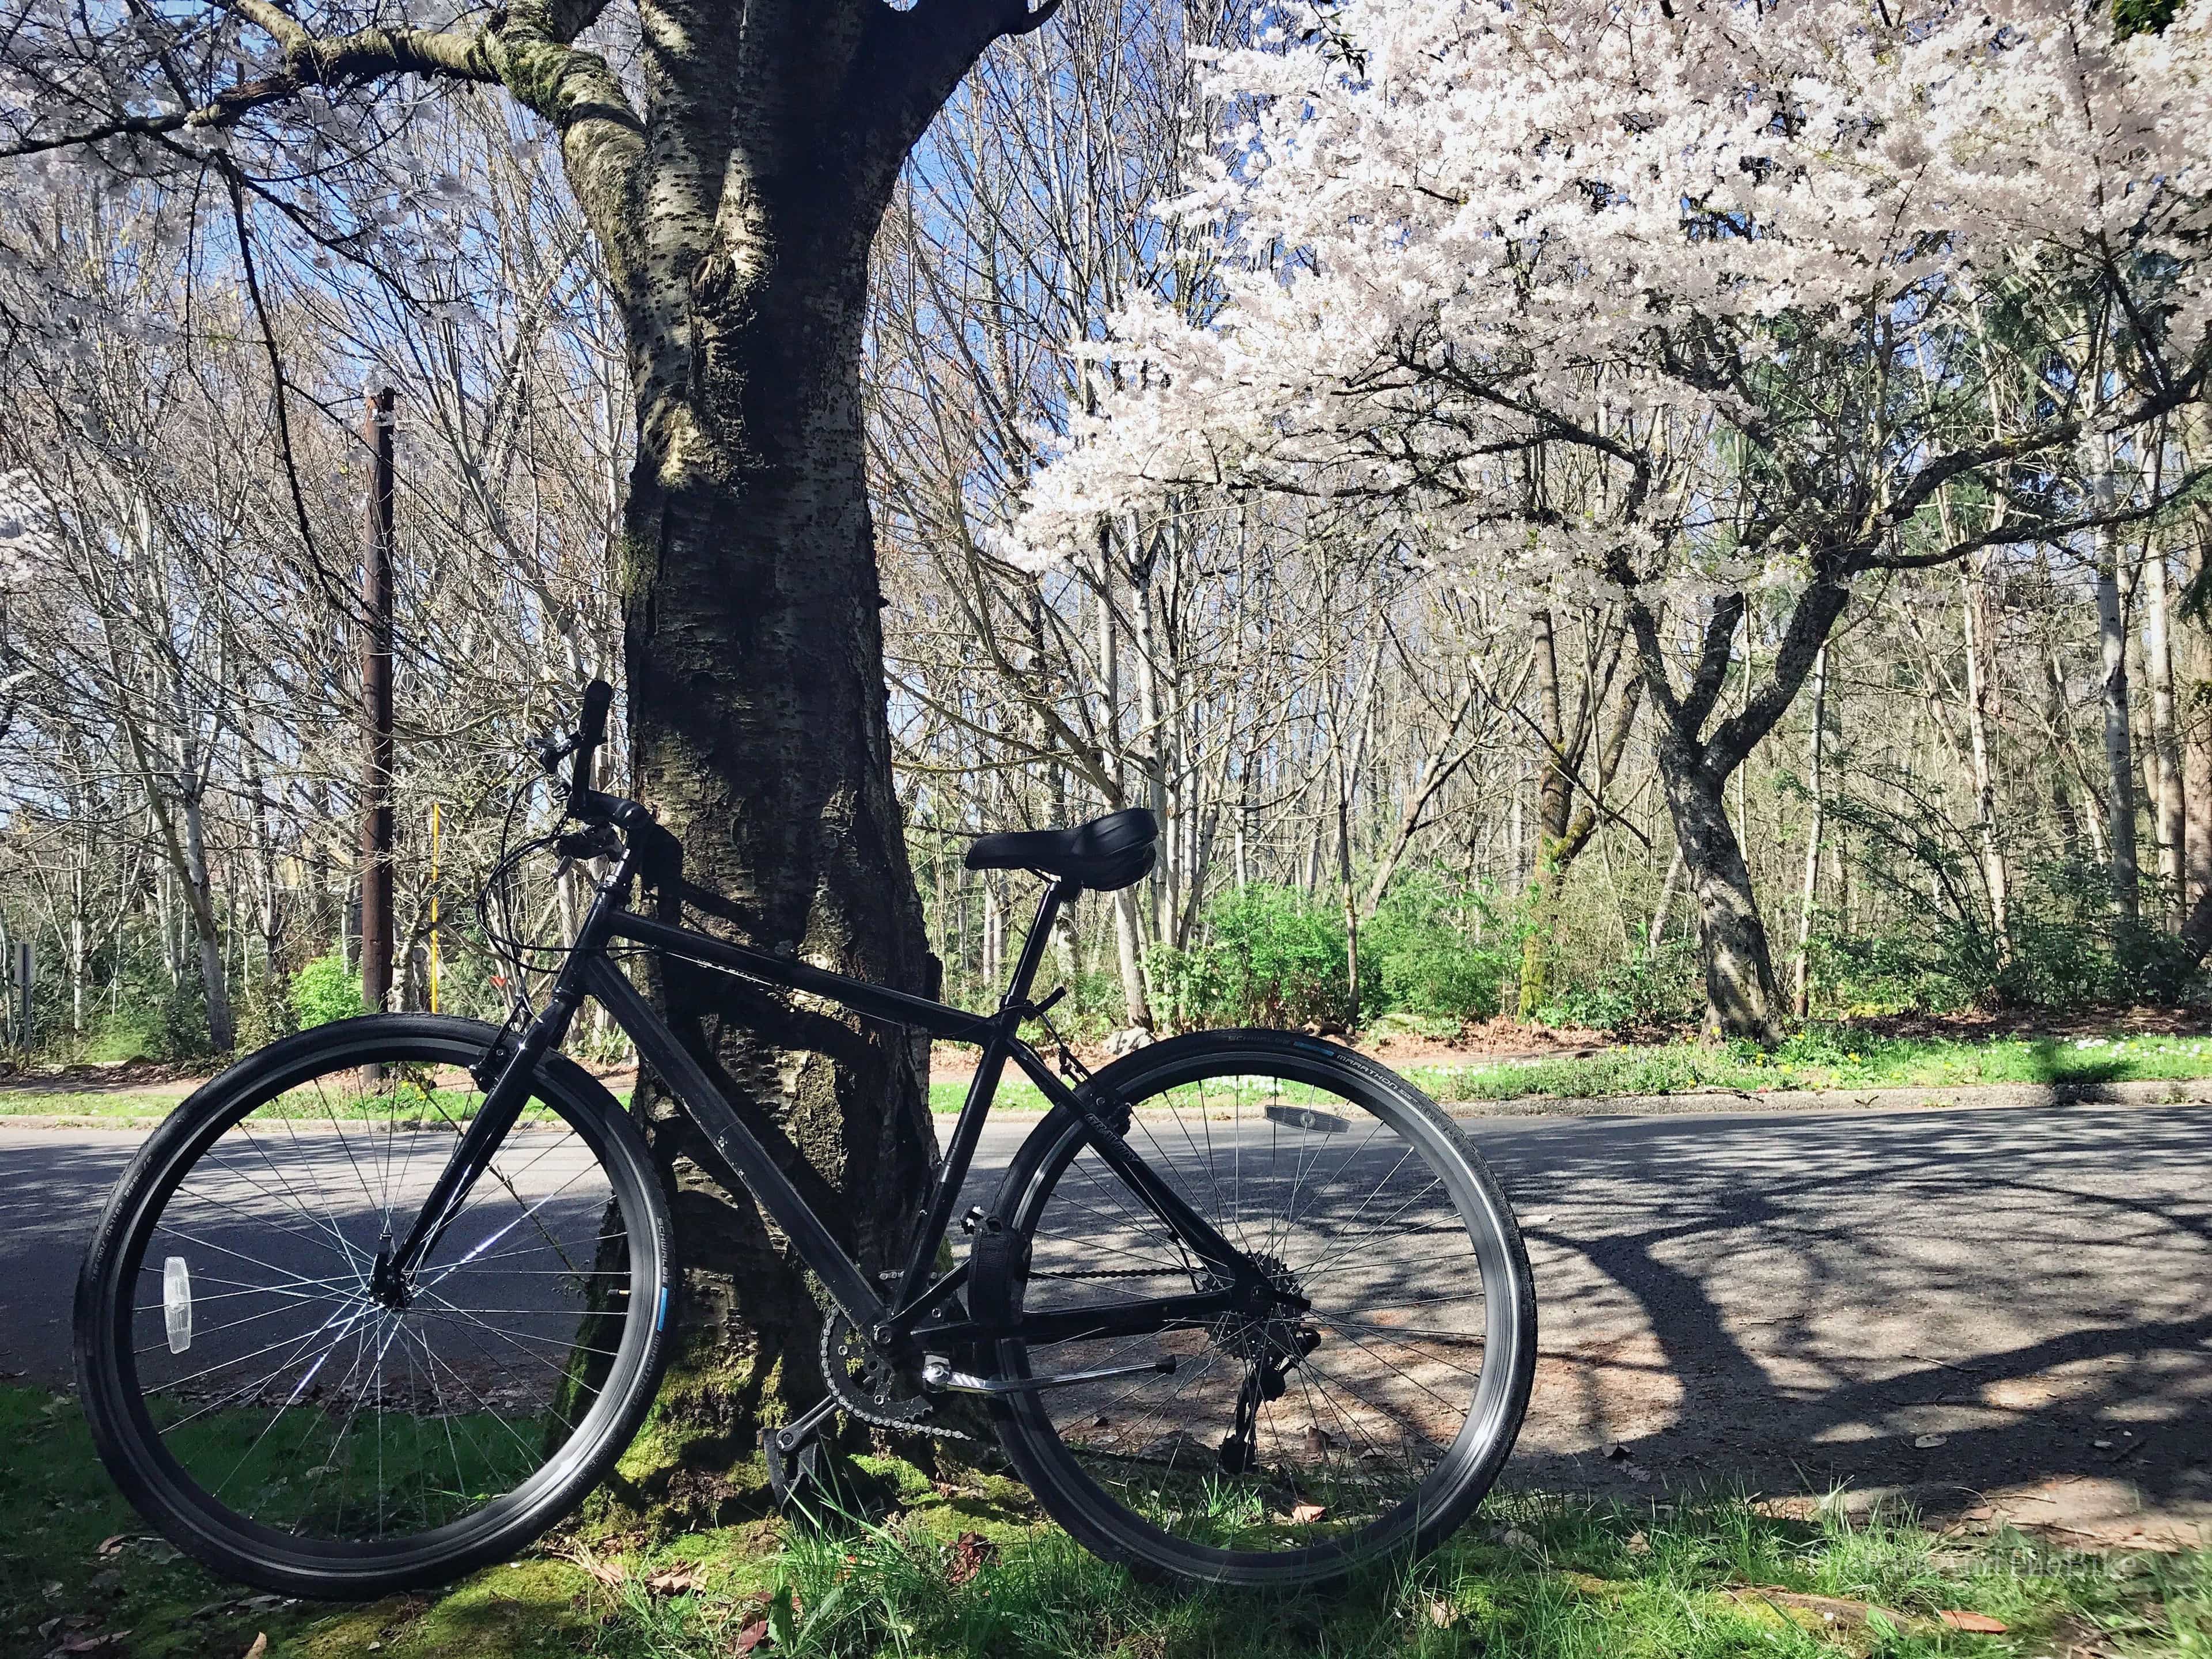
pixel 376 825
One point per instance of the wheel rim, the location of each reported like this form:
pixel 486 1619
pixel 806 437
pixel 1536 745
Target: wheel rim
pixel 1409 1399
pixel 300 1417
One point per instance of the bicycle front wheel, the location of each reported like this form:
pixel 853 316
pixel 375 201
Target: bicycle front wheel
pixel 289 1428
pixel 1367 1414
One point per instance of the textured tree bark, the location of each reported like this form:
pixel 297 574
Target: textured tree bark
pixel 736 209
pixel 1742 995
pixel 757 711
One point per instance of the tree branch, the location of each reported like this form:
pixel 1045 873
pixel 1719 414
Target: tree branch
pixel 2013 532
pixel 1712 664
pixel 1809 624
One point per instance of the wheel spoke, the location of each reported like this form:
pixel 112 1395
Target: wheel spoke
pixel 290 1398
pixel 1347 1214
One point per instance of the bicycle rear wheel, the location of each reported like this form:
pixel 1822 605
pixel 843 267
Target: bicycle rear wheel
pixel 1287 1449
pixel 274 1418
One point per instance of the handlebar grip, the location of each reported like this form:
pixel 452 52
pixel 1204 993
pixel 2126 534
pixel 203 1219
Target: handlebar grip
pixel 592 724
pixel 591 732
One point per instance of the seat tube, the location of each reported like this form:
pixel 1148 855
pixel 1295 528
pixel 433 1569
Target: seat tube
pixel 1033 948
pixel 990 1065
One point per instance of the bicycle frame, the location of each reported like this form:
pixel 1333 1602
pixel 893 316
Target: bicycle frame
pixel 588 972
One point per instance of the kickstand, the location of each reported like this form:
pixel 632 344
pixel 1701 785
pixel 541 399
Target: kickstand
pixel 797 1476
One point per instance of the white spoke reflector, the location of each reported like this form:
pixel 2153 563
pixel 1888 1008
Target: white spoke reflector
pixel 177 1302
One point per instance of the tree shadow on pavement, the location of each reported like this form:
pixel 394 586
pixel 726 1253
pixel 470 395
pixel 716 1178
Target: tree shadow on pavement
pixel 1964 1299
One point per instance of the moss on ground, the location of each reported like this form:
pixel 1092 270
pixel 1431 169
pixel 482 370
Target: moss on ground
pixel 965 1566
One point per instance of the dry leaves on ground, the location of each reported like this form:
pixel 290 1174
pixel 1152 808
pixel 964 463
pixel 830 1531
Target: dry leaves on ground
pixel 611 1573
pixel 679 1580
pixel 971 1553
pixel 1979 1623
pixel 1304 1515
pixel 775 1623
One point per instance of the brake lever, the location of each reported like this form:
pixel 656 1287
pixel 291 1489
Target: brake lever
pixel 551 751
pixel 596 840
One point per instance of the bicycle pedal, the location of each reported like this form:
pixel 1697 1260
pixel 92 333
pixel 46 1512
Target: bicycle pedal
pixel 938 1372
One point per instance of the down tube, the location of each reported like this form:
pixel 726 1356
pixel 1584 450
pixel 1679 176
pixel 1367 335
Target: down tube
pixel 740 1147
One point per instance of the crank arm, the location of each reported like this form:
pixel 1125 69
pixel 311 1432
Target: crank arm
pixel 938 1373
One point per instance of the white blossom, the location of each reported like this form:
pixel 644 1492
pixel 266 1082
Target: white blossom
pixel 1492 221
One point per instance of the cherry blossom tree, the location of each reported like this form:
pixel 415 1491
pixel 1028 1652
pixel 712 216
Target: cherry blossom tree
pixel 1701 309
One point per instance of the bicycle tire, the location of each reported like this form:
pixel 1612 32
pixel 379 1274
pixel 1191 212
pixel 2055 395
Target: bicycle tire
pixel 1042 1432
pixel 237 1545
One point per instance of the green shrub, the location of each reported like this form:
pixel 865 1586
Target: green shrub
pixel 2067 951
pixel 150 1016
pixel 131 1035
pixel 324 990
pixel 1273 956
pixel 1653 990
pixel 1434 947
pixel 1863 974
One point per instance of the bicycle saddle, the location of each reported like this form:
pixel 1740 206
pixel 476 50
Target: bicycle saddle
pixel 1103 855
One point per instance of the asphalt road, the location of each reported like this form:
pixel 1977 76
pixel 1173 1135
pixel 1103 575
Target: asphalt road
pixel 2006 1307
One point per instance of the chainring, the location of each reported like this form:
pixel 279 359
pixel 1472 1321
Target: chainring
pixel 868 1386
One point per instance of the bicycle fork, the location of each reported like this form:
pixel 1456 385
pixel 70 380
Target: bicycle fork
pixel 392 1281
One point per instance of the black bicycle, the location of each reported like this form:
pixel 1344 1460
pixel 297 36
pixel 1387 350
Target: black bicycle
pixel 381 1302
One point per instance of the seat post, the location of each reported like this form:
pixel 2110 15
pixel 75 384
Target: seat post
pixel 1060 891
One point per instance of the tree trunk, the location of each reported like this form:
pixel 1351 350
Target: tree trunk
pixel 1128 957
pixel 1655 935
pixel 2119 757
pixel 2196 770
pixel 736 214
pixel 1545 881
pixel 1563 831
pixel 2164 742
pixel 1741 996
pixel 1801 991
pixel 1997 872
pixel 758 710
pixel 207 932
pixel 1552 800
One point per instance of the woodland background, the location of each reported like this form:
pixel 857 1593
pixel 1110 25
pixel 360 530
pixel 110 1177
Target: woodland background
pixel 1389 791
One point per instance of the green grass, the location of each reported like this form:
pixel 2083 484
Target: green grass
pixel 1534 1576
pixel 429 1108
pixel 1822 1057
pixel 1834 1057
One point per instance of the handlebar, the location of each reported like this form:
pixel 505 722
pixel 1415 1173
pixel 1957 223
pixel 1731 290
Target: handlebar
pixel 585 804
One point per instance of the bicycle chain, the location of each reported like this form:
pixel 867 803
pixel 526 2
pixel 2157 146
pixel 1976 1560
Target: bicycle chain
pixel 856 1404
